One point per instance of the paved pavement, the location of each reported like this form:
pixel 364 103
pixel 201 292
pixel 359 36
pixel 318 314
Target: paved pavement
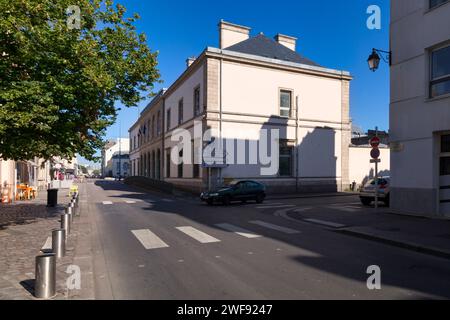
pixel 25 232
pixel 154 246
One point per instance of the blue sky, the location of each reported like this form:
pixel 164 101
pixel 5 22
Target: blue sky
pixel 332 33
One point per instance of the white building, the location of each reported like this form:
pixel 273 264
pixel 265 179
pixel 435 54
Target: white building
pixel 420 106
pixel 113 147
pixel 245 85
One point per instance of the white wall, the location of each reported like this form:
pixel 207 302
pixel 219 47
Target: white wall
pixel 360 167
pixel 250 89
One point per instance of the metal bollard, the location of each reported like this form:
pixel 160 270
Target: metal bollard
pixel 59 242
pixel 45 273
pixel 65 223
pixel 70 212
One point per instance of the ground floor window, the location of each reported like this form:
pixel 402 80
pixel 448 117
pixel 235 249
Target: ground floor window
pixel 285 160
pixel 180 166
pixel 168 164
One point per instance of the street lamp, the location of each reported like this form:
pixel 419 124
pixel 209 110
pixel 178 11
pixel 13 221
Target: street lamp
pixel 374 58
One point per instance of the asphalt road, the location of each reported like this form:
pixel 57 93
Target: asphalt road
pixel 154 246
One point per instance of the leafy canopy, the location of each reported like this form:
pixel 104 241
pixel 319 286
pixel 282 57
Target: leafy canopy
pixel 58 84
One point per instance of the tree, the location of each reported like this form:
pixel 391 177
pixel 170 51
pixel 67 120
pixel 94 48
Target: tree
pixel 59 84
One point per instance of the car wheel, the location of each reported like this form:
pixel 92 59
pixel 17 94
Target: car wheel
pixel 366 201
pixel 226 200
pixel 259 198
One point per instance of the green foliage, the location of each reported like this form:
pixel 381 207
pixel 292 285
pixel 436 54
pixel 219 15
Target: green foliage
pixel 59 86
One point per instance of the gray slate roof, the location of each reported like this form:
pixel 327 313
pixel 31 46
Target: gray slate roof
pixel 263 46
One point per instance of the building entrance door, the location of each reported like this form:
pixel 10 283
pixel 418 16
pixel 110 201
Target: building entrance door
pixel 444 176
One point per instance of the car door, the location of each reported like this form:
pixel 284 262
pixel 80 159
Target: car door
pixel 239 190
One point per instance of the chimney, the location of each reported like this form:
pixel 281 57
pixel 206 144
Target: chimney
pixel 287 41
pixel 230 34
pixel 190 61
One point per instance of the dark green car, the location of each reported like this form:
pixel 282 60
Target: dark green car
pixel 236 191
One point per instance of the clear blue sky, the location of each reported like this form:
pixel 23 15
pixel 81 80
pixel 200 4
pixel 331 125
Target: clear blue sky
pixel 332 33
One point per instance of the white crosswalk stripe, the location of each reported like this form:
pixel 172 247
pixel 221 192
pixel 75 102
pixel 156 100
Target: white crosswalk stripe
pixel 130 201
pixel 198 235
pixel 238 230
pixel 148 239
pixel 274 227
pixel 107 202
pixel 326 223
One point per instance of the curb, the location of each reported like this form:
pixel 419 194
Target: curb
pixel 306 196
pixel 401 244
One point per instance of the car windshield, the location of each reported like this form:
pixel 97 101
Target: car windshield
pixel 381 181
pixel 232 183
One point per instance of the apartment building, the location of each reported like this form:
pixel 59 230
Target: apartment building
pixel 420 107
pixel 247 84
pixel 113 147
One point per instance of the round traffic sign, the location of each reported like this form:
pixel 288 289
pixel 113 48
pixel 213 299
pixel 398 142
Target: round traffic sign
pixel 375 153
pixel 375 142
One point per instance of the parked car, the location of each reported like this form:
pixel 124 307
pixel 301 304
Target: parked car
pixel 236 191
pixel 367 194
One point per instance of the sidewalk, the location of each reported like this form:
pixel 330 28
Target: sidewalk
pixel 431 236
pixel 24 228
pixel 308 195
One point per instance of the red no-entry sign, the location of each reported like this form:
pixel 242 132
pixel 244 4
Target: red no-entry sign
pixel 375 142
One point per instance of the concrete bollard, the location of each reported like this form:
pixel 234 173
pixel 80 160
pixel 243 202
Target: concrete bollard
pixel 65 223
pixel 59 242
pixel 45 273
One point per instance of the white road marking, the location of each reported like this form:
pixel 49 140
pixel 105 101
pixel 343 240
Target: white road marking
pixel 148 239
pixel 326 223
pixel 276 207
pixel 107 202
pixel 346 209
pixel 274 227
pixel 47 245
pixel 197 235
pixel 238 230
pixel 130 201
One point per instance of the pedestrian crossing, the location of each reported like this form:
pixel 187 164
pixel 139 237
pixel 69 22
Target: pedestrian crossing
pixel 150 240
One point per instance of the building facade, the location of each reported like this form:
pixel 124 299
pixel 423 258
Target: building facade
pixel 246 85
pixel 420 107
pixel 111 148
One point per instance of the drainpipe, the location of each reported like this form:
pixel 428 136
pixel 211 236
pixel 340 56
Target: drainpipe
pixel 296 144
pixel 163 152
pixel 220 116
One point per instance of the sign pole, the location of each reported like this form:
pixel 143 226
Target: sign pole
pixel 376 175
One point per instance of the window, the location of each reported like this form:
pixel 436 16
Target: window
pixel 285 161
pixel 445 166
pixel 134 142
pixel 168 120
pixel 153 126
pixel 180 111
pixel 158 124
pixel 196 101
pixel 168 163
pixel 285 103
pixel 435 3
pixel 180 166
pixel 440 72
pixel 445 143
pixel 195 165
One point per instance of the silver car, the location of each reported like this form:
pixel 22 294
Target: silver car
pixel 367 194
